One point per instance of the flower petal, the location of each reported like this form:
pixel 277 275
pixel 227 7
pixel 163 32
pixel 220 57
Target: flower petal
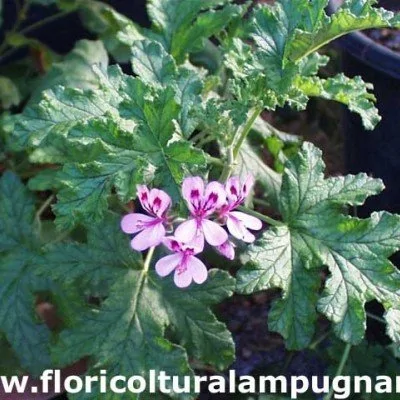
pixel 213 233
pixel 247 185
pixel 227 249
pixel 173 244
pixel 193 192
pixel 233 190
pixel 143 194
pixel 149 237
pixel 183 277
pixel 214 198
pixel 248 220
pixel 237 228
pixel 159 202
pixel 186 231
pixel 197 269
pixel 167 264
pixel 135 222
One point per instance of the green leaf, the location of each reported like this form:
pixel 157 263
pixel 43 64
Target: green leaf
pixel 126 334
pixel 353 15
pixel 9 93
pixel 117 32
pixel 76 69
pixel 352 92
pixel 316 232
pixel 62 108
pixel 156 67
pixel 121 134
pixel 285 37
pixel 27 336
pixel 183 26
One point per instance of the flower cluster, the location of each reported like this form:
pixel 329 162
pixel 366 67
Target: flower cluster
pixel 211 207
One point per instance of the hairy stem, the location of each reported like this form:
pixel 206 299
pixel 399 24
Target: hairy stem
pixel 258 215
pixel 340 369
pixel 147 261
pixel 236 144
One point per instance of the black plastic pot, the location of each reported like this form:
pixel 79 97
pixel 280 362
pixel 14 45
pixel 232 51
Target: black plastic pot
pixel 376 153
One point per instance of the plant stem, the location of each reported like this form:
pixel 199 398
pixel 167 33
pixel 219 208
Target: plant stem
pixel 147 261
pixel 246 129
pixel 340 369
pixel 319 340
pixel 263 217
pixel 44 21
pixel 376 318
pixel 43 207
pixel 236 144
pixel 215 161
pixel 30 28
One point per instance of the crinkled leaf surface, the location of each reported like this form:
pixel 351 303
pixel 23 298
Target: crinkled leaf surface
pixel 126 334
pixel 316 232
pixel 123 133
pixel 352 92
pixel 182 26
pixel 18 283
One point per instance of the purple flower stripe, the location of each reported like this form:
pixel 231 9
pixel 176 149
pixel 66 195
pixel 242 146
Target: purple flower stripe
pixel 187 267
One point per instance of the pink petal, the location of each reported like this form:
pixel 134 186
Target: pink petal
pixel 227 249
pixel 213 233
pixel 238 229
pixel 143 194
pixel 214 198
pixel 248 220
pixel 159 202
pixel 197 244
pixel 193 192
pixel 233 189
pixel 149 237
pixel 173 244
pixel 197 269
pixel 247 185
pixel 186 231
pixel 182 278
pixel 135 222
pixel 167 264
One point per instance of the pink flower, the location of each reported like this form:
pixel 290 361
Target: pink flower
pixel 150 228
pixel 239 223
pixel 187 267
pixel 227 249
pixel 202 202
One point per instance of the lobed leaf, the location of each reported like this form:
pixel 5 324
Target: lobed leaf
pixel 28 337
pixel 315 233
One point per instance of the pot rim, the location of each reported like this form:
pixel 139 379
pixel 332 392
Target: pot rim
pixel 374 54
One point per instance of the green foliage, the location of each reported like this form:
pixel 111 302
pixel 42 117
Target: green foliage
pixel 127 334
pixel 19 248
pixel 316 233
pixel 286 37
pixel 89 133
pixel 182 26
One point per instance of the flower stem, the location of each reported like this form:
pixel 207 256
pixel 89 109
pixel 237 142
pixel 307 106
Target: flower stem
pixel 147 261
pixel 236 144
pixel 376 318
pixel 340 369
pixel 263 217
